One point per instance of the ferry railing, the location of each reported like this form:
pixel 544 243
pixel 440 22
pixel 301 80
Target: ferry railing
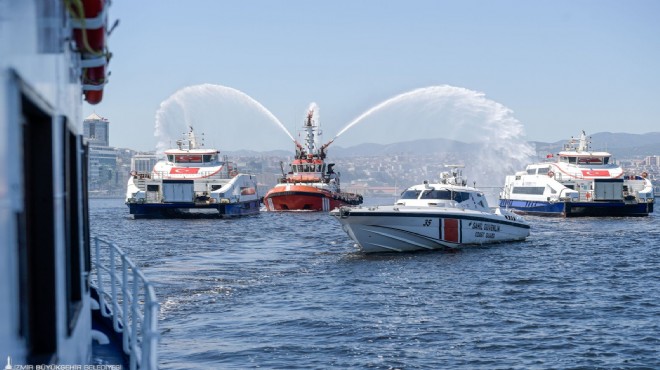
pixel 129 299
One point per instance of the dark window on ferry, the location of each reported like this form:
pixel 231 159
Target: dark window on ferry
pixel 152 187
pixel 72 230
pixel 207 158
pixel 411 194
pixel 37 233
pixel 590 160
pixel 530 190
pixel 188 158
pixel 572 160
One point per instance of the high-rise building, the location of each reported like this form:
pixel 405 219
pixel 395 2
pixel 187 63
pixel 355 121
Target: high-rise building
pixel 96 130
pixel 103 171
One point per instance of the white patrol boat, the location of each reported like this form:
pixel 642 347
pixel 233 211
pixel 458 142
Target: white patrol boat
pixel 580 182
pixel 447 214
pixel 192 179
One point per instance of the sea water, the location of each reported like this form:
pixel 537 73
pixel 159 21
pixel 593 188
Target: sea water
pixel 290 290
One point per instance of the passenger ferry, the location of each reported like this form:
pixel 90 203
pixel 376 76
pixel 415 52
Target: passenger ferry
pixel 446 214
pixel 192 179
pixel 310 184
pixel 580 182
pixel 63 304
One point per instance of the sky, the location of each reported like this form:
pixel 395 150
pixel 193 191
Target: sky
pixel 557 67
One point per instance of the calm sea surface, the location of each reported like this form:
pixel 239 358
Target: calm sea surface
pixel 290 291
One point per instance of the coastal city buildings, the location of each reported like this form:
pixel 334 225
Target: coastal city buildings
pixel 108 167
pixel 374 175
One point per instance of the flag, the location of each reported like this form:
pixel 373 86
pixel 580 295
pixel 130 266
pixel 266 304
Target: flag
pixel 183 170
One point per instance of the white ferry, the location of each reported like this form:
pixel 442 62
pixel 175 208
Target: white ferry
pixel 61 306
pixel 580 182
pixel 447 214
pixel 192 179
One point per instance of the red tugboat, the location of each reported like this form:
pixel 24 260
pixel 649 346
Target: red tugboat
pixel 310 185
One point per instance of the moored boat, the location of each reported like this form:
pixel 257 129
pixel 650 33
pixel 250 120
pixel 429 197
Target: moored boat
pixel 192 180
pixel 446 214
pixel 310 184
pixel 580 182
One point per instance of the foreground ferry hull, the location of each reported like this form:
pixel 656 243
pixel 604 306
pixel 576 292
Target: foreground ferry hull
pixel 397 229
pixel 578 209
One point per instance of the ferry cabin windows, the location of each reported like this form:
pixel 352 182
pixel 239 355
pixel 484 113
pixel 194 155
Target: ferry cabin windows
pixel 307 167
pixel 529 190
pixel 191 158
pixel 585 161
pixel 538 170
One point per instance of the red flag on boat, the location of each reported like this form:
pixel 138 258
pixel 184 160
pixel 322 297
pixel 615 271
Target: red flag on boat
pixel 183 170
pixel 549 156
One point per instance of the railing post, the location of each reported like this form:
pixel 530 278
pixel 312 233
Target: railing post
pixel 124 303
pixel 100 291
pixel 113 283
pixel 134 321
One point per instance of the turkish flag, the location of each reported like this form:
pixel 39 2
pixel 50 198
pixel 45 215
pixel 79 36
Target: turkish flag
pixel 183 170
pixel 595 173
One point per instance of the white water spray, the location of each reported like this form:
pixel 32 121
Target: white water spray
pixel 497 138
pixel 229 118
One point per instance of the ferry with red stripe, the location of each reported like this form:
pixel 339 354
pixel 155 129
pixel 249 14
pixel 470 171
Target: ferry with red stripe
pixel 192 180
pixel 580 182
pixel 446 214
pixel 310 184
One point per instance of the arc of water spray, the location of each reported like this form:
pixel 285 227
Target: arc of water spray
pixel 389 101
pixel 177 98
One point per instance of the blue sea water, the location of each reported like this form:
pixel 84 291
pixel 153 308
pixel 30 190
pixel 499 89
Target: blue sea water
pixel 290 291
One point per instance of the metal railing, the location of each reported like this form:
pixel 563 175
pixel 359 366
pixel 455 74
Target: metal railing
pixel 129 299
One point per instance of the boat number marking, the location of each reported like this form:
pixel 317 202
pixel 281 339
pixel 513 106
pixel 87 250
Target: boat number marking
pixel 427 222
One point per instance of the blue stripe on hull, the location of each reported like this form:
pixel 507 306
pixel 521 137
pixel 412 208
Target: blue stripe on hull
pixel 577 209
pixel 173 210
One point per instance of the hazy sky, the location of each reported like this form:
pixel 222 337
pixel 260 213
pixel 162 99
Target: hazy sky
pixel 560 66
